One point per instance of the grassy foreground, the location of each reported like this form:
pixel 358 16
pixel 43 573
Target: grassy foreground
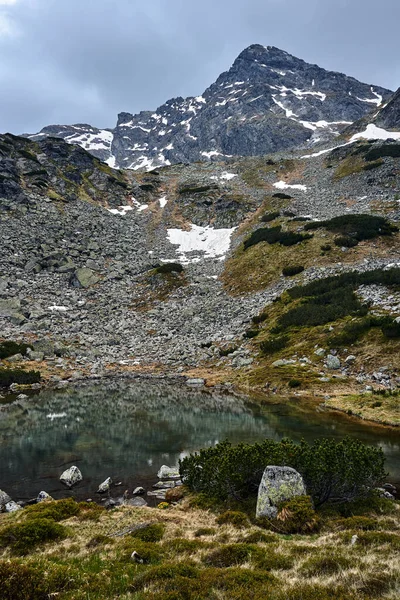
pixel 192 553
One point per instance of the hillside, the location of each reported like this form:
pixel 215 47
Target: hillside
pixel 267 101
pixel 87 253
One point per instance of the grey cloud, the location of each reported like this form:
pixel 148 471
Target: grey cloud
pixel 86 60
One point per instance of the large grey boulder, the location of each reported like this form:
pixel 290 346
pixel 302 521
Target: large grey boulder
pixel 168 473
pixel 4 499
pixel 332 362
pixel 278 484
pixel 84 278
pixel 71 476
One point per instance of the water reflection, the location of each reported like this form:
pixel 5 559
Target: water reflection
pixel 127 430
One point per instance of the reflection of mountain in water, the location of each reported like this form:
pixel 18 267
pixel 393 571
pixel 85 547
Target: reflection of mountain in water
pixel 127 430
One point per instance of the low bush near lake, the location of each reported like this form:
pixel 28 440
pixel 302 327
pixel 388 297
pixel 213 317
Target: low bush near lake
pixel 9 376
pixel 24 537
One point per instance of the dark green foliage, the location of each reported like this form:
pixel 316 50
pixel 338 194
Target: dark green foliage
pixel 392 150
pixel 9 376
pixel 258 537
pixel 257 319
pixel 28 155
pixel 270 217
pixel 391 330
pixel 275 235
pixel 23 537
pixel 151 552
pixel 355 228
pixel 331 470
pixel 288 213
pixel 57 510
pixel 355 330
pixel 298 516
pixel 150 533
pixel 345 241
pixel 203 531
pixel 234 517
pixel 328 564
pixel 251 333
pixel 24 582
pixel 99 540
pixel 357 523
pixel 9 348
pixel 117 181
pixel 379 538
pixel 36 172
pixel 351 279
pixel 292 270
pixel 326 248
pixel 230 555
pixel 300 219
pixel 274 344
pixel 181 546
pixel 373 165
pixel 322 309
pixel 294 383
pixel 169 268
pixel 282 196
pixel 228 350
pixel 162 572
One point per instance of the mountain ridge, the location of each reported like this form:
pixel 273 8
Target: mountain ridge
pixel 269 100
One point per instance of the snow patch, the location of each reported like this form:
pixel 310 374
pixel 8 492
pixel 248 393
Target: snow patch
pixel 123 210
pixel 224 176
pixel 56 308
pixel 214 243
pixel 372 132
pixel 53 416
pixel 282 185
pixel 211 153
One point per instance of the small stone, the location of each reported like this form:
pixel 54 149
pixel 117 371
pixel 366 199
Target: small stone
pixel 139 491
pixel 22 397
pixel 135 502
pixel 354 539
pixel 195 381
pixel 283 362
pixel 320 352
pixel 164 485
pixel 15 358
pixel 105 486
pixel 350 359
pixel 332 362
pixel 43 497
pixel 71 476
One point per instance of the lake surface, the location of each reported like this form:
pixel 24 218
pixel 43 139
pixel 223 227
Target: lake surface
pixel 127 430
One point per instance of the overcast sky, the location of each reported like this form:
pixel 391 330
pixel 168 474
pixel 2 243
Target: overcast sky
pixel 71 61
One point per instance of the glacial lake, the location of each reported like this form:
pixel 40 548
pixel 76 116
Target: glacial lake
pixel 128 429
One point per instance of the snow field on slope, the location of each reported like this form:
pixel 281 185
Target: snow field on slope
pixel 213 242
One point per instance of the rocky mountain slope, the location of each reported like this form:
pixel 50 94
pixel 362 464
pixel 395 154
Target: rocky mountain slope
pixel 267 101
pixel 128 270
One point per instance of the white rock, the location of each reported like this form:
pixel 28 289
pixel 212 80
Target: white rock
pixel 44 497
pixel 12 507
pixel 138 491
pixel 71 476
pixel 168 473
pixel 105 486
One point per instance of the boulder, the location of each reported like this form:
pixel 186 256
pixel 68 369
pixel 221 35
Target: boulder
pixel 12 506
pixel 135 502
pixel 83 278
pixel 71 476
pixel 15 358
pixel 195 381
pixel 332 362
pixel 175 494
pixel 4 499
pixel 278 484
pixel 138 491
pixel 105 486
pixel 43 346
pixel 163 485
pixel 44 497
pixel 350 359
pixel 168 473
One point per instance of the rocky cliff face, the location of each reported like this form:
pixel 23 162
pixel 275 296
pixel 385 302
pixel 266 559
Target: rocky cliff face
pixel 267 101
pixel 389 116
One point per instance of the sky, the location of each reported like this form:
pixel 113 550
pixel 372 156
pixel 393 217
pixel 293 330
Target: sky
pixel 84 61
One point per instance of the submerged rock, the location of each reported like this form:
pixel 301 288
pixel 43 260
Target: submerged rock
pixel 71 476
pixel 278 484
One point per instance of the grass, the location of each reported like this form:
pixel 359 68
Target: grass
pixel 369 406
pixel 94 562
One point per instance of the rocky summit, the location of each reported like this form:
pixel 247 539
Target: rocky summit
pixel 268 101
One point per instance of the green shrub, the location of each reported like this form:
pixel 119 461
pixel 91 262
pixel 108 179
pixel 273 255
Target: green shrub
pixel 355 228
pixel 9 376
pixel 258 537
pixel 150 533
pixel 357 523
pixel 257 319
pixel 327 564
pixel 391 330
pixel 169 268
pixel 28 155
pixel 23 537
pixel 275 235
pixel 57 510
pixel 385 150
pixel 9 348
pixel 298 516
pixel 233 517
pixel 181 546
pixel 274 344
pixel 273 561
pixel 165 572
pixel 343 470
pixel 23 582
pixel 292 270
pixel 373 165
pixel 294 383
pixel 379 538
pixel 251 333
pixel 202 531
pixel 150 552
pixel 326 247
pixel 345 241
pixel 282 196
pixel 228 350
pixel 230 555
pixel 270 217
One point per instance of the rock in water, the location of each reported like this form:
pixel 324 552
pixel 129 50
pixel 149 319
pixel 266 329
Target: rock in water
pixel 168 473
pixel 44 497
pixel 278 484
pixel 71 476
pixel 4 499
pixel 105 486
